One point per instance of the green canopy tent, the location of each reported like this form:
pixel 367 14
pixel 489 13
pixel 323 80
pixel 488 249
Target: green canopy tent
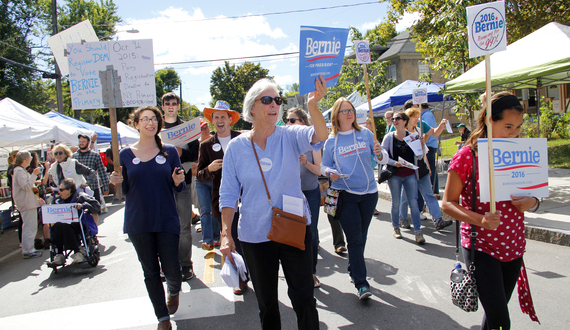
pixel 540 59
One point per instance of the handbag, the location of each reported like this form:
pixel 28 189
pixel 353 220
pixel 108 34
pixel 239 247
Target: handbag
pixel 286 228
pixel 332 202
pixel 464 293
pixel 386 173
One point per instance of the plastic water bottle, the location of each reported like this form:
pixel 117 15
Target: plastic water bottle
pixel 458 273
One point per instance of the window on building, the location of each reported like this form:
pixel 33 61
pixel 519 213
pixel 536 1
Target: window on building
pixel 423 67
pixel 393 74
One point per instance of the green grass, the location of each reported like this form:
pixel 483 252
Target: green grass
pixel 558 151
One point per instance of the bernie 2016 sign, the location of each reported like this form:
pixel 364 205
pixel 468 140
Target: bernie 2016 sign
pixel 321 52
pixel 66 213
pixel 521 168
pixel 487 28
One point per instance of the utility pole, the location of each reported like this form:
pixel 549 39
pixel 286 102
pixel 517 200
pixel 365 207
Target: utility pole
pixel 180 94
pixel 58 79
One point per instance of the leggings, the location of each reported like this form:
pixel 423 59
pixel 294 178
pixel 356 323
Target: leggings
pixel 496 282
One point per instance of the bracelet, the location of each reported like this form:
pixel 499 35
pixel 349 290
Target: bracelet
pixel 535 208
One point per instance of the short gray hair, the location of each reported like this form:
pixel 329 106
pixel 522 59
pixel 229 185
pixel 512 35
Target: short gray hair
pixel 259 87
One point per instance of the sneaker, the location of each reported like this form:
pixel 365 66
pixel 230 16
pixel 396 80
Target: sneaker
pixel 316 281
pixel 440 223
pixel 217 243
pixel 340 249
pixel 58 260
pixel 420 238
pixel 38 244
pixel 187 273
pixel 207 246
pixel 397 233
pixel 34 254
pixel 405 223
pixel 77 258
pixel 423 216
pixel 364 293
pixel 239 290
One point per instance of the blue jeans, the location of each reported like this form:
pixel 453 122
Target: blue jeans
pixel 314 200
pixel 355 217
pixel 210 226
pixel 184 209
pixel 424 187
pixel 410 185
pixel 151 247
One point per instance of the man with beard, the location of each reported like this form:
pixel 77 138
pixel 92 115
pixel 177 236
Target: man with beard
pixel 210 177
pixel 91 159
pixel 188 154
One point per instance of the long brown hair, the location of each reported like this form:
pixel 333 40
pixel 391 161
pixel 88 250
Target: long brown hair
pixel 334 115
pixel 498 113
pixel 135 116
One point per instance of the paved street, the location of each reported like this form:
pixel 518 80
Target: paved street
pixel 410 284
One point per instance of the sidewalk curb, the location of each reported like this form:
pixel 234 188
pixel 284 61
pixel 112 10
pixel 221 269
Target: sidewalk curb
pixel 533 233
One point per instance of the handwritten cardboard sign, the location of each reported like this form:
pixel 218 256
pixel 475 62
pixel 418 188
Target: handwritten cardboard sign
pixel 74 34
pixel 182 134
pixel 132 64
pixel 321 52
pixel 487 28
pixel 59 213
pixel 521 168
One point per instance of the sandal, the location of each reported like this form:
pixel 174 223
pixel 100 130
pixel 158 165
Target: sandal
pixel 195 219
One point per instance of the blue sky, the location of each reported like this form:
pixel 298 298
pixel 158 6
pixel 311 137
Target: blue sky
pixel 180 33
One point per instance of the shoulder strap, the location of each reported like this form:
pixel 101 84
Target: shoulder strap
pixel 261 171
pixel 474 209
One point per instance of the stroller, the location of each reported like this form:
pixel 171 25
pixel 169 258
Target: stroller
pixel 89 245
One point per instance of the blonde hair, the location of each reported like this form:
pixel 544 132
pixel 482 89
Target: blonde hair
pixel 63 148
pixel 334 115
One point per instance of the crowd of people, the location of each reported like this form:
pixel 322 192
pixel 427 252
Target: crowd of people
pixel 238 185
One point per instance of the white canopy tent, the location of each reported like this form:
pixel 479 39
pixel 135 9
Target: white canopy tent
pixel 22 127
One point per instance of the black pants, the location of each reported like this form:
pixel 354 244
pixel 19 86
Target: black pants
pixel 263 262
pixel 64 236
pixel 336 228
pixel 496 281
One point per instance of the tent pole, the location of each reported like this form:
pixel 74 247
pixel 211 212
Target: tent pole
pixel 538 106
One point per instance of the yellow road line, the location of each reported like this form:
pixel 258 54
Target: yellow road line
pixel 209 267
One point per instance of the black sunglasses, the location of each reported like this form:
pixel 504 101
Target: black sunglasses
pixel 57 153
pixel 397 118
pixel 292 120
pixel 269 99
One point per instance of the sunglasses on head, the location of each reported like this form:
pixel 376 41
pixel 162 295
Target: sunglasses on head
pixel 292 120
pixel 57 153
pixel 170 103
pixel 269 99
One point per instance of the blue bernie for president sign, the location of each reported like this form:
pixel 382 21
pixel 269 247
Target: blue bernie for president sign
pixel 321 53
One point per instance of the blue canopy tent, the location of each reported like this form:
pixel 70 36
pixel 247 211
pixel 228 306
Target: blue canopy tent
pixel 103 133
pixel 396 97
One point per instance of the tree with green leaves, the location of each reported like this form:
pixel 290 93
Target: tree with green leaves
pixel 351 77
pixel 166 80
pixel 441 31
pixel 23 85
pixel 230 83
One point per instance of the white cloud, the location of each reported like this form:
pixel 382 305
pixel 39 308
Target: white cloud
pixel 368 26
pixel 407 21
pixel 283 81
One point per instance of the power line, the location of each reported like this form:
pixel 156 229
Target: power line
pixel 260 15
pixel 23 51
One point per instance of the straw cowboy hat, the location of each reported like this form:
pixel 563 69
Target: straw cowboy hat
pixel 224 106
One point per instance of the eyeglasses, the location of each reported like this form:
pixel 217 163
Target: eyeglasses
pixel 58 153
pixel 269 99
pixel 170 103
pixel 397 118
pixel 292 120
pixel 347 111
pixel 145 120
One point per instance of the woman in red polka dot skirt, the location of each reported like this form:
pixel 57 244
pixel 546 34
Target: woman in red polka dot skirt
pixel 500 243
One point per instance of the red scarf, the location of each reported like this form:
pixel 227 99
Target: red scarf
pixel 525 299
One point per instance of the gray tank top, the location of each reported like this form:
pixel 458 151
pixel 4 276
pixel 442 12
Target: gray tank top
pixel 309 180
